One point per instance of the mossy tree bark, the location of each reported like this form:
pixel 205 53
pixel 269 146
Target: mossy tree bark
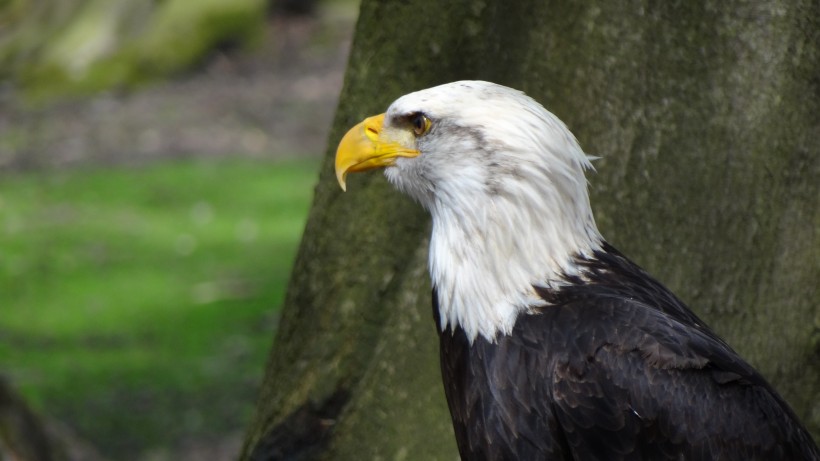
pixel 707 119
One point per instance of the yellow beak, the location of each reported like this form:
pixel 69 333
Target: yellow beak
pixel 367 146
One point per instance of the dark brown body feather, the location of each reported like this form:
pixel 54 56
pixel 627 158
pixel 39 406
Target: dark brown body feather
pixel 616 368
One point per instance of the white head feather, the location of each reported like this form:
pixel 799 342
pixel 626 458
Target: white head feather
pixel 503 179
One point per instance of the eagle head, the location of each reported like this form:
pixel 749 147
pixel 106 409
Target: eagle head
pixel 503 180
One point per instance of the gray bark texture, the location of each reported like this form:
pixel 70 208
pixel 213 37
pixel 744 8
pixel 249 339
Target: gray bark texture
pixel 706 116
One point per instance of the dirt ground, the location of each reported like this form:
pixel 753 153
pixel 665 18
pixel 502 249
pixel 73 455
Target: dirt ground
pixel 277 100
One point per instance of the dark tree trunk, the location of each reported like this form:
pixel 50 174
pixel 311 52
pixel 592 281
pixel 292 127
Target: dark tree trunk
pixel 22 435
pixel 707 119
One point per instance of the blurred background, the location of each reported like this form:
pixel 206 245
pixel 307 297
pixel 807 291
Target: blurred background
pixel 157 161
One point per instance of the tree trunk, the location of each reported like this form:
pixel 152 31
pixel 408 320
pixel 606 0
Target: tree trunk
pixel 707 119
pixel 22 435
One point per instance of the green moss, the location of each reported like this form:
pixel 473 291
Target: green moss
pixel 184 31
pixel 101 44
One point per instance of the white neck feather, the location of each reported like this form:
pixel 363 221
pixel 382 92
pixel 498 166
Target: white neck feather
pixel 484 265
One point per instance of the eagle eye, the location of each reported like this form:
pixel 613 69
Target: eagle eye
pixel 421 124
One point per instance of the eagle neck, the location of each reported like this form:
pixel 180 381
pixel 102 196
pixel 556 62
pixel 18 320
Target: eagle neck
pixel 487 257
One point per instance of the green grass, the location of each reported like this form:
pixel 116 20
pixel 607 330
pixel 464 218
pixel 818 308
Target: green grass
pixel 138 304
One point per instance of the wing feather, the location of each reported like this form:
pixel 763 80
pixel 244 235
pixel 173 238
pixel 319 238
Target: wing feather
pixel 614 368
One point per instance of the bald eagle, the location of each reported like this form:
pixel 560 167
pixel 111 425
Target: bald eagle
pixel 553 344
